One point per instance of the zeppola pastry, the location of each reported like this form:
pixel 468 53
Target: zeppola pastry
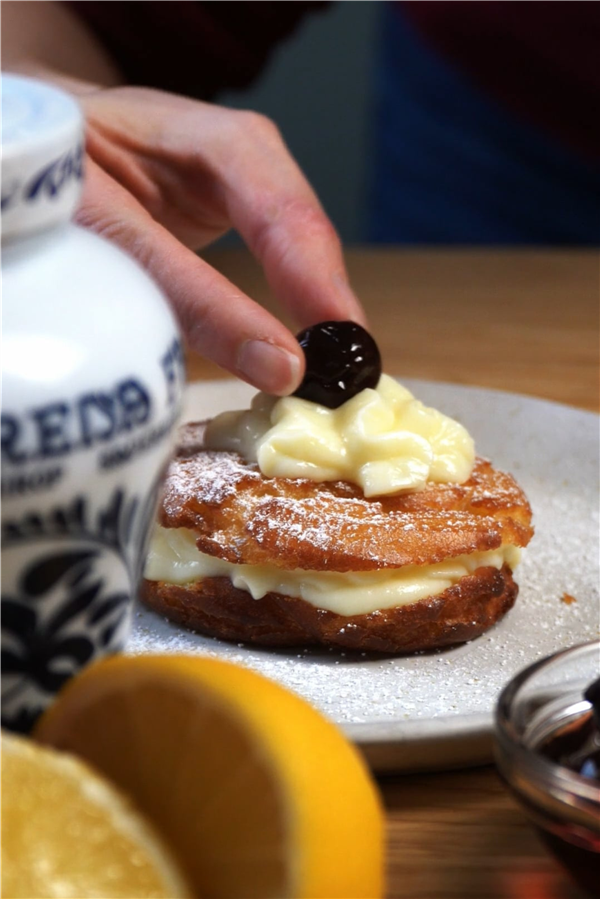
pixel 348 515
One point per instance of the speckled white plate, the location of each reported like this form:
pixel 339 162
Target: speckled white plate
pixel 434 711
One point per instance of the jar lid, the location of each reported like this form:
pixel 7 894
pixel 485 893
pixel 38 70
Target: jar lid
pixel 42 155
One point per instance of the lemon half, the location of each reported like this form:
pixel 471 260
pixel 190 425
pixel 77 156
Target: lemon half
pixel 257 794
pixel 68 833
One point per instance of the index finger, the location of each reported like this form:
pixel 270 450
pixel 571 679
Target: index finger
pixel 271 204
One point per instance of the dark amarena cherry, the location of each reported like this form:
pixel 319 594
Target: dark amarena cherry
pixel 341 360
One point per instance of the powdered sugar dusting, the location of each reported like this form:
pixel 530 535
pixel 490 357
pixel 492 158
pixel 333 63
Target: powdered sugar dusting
pixel 216 481
pixel 553 452
pixel 297 523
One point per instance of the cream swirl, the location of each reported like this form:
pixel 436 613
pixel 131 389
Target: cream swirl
pixel 383 439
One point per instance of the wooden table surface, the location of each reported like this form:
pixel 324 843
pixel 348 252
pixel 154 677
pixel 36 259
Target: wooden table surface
pixel 523 321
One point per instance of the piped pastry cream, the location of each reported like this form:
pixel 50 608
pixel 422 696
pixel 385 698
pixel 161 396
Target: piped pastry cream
pixel 175 559
pixel 382 439
pixel 350 515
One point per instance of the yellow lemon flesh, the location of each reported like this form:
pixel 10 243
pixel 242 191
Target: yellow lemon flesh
pixel 68 833
pixel 257 793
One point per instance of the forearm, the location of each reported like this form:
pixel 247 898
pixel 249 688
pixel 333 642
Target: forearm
pixel 46 39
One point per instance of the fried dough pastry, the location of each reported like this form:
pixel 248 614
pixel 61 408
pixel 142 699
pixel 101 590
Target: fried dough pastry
pixel 244 518
pixel 240 516
pixel 215 607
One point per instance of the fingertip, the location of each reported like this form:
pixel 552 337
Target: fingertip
pixel 270 367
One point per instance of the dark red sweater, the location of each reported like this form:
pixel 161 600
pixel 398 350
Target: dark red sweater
pixel 193 48
pixel 539 59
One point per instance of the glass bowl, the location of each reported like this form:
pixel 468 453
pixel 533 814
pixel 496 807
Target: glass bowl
pixel 540 705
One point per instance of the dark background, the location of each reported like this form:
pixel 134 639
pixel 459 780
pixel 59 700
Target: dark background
pixel 322 109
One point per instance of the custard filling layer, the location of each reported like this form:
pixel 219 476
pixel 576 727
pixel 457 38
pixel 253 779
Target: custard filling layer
pixel 175 559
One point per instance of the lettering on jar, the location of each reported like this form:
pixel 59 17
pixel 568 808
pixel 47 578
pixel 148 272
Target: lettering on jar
pixel 31 482
pixel 63 427
pixel 101 418
pixel 48 182
pixel 173 366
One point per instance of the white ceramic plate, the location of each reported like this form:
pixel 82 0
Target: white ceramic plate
pixel 434 711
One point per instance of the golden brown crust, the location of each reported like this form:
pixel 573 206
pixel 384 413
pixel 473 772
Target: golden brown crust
pixel 215 607
pixel 242 517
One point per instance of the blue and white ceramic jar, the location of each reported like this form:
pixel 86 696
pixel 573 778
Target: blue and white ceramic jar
pixel 92 377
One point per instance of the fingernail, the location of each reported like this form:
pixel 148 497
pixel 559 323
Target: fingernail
pixel 270 368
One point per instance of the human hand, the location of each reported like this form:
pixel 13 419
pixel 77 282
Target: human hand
pixel 167 175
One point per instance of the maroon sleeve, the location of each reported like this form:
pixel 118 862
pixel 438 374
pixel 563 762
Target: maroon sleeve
pixel 190 47
pixel 540 59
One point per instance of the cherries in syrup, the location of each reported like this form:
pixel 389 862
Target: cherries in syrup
pixel 341 360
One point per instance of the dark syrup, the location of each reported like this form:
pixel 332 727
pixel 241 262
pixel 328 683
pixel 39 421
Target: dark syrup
pixel 577 747
pixel 582 864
